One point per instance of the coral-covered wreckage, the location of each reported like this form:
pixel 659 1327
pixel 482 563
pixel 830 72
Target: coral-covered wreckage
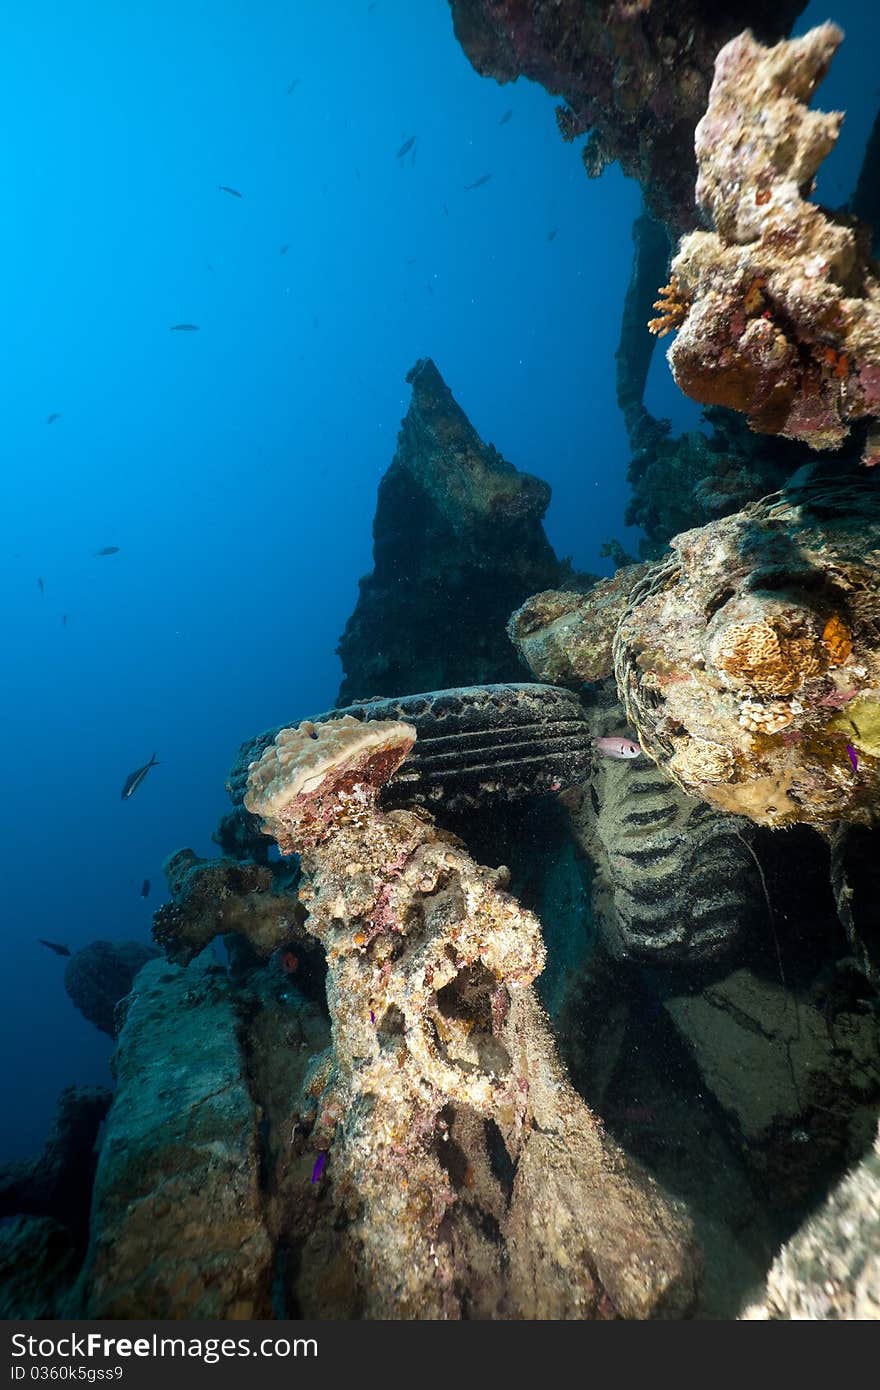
pixel 422 1087
pixel 484 1039
pixel 749 661
pixel 473 1178
pixel 777 309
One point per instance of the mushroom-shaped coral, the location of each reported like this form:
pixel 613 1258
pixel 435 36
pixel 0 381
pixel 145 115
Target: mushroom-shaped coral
pixel 779 305
pixel 468 1177
pixel 749 662
pixel 316 775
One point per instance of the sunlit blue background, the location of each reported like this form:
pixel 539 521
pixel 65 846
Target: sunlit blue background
pixel 237 467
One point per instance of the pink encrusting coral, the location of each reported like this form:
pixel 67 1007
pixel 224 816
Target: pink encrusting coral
pixel 779 305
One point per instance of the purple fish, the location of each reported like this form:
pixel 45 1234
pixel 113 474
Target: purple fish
pixel 372 1017
pixel 320 1164
pixel 617 747
pixel 853 757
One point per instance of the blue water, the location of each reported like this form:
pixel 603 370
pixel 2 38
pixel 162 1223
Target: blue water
pixel 237 467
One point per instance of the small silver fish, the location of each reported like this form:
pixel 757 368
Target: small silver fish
pixel 134 779
pixel 617 747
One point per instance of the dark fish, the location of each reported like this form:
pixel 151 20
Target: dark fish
pixel 477 183
pixel 55 946
pixel 551 235
pixel 134 779
pixel 145 888
pixel 41 585
pixel 293 86
pixel 320 1165
pixel 405 147
pixel 184 328
pixel 506 117
pixel 64 620
pixel 108 550
pixel 56 415
pixel 224 188
pixel 284 250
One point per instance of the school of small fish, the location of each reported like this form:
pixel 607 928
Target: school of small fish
pixel 135 779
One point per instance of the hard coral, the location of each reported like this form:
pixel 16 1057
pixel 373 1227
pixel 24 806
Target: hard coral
pixel 211 897
pixel 316 775
pixel 784 318
pixel 758 642
pixel 773 651
pixel 475 746
pixel 469 1178
pixel 565 637
pixel 673 306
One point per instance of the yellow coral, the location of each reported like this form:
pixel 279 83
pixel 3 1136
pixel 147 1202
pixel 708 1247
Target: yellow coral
pixel 673 304
pixel 764 658
pixel 837 640
pixel 860 722
pixel 699 761
pixel 753 299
